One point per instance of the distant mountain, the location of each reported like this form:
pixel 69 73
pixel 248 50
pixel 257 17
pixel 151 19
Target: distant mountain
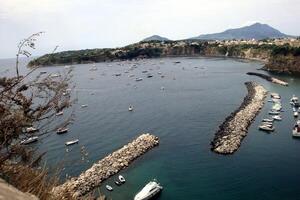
pixel 256 31
pixel 155 38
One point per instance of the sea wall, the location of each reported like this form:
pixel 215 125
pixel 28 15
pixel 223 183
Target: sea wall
pixel 107 167
pixel 232 131
pixel 269 78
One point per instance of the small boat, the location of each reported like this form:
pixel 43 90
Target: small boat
pixel 296 114
pixel 43 72
pixel 266 128
pixel 71 142
pixel 294 109
pixel 277 107
pixel 277 117
pixel 267 125
pixel 177 62
pixel 273 112
pixel 145 71
pixel 130 108
pixel 121 179
pixel 162 88
pixel 275 96
pixel 59 113
pixel 296 129
pixel 31 129
pixel 109 188
pixel 138 79
pixel 54 75
pixel 131 75
pixel 118 74
pixel 118 183
pixel 62 130
pixel 149 76
pixel 30 140
pixel 159 73
pixel 268 120
pixel 150 190
pixel 84 106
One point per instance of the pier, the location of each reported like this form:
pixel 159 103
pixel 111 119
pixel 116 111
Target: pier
pixel 235 127
pixel 269 78
pixel 107 167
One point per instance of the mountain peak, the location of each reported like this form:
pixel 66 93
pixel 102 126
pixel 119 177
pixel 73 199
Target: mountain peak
pixel 255 31
pixel 155 38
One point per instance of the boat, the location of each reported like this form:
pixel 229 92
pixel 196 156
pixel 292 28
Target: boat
pixel 296 114
pixel 84 106
pixel 121 179
pixel 177 62
pixel 277 107
pixel 296 129
pixel 31 129
pixel 130 108
pixel 295 101
pixel 109 188
pixel 54 75
pixel 59 113
pixel 118 183
pixel 30 140
pixel 149 191
pixel 43 72
pixel 131 75
pixel 71 142
pixel 275 96
pixel 145 71
pixel 138 79
pixel 267 120
pixel 294 109
pixel 273 112
pixel 277 117
pixel 149 76
pixel 162 88
pixel 62 130
pixel 268 125
pixel 266 128
pixel 118 74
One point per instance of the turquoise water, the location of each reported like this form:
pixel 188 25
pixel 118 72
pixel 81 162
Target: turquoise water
pixel 199 94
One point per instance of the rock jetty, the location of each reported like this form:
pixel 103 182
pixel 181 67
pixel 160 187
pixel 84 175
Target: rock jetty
pixel 269 78
pixel 106 167
pixel 231 133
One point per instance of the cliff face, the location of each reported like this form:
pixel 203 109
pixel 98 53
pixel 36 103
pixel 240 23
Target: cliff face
pixel 284 64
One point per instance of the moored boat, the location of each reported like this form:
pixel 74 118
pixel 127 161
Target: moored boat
pixel 296 114
pixel 31 129
pixel 121 179
pixel 30 140
pixel 149 191
pixel 267 120
pixel 59 113
pixel 273 112
pixel 130 108
pixel 109 188
pixel 277 117
pixel 138 79
pixel 266 128
pixel 71 142
pixel 296 129
pixel 62 130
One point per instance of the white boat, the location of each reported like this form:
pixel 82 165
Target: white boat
pixel 130 108
pixel 30 140
pixel 54 75
pixel 275 96
pixel 150 190
pixel 273 112
pixel 138 79
pixel 296 114
pixel 296 129
pixel 62 130
pixel 268 120
pixel 71 142
pixel 266 128
pixel 59 113
pixel 109 188
pixel 84 106
pixel 121 179
pixel 277 117
pixel 31 129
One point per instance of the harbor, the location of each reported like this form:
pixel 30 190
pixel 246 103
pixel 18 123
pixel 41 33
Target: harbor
pixel 235 127
pixel 107 167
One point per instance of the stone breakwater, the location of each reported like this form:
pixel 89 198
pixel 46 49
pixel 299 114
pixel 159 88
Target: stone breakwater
pixel 107 167
pixel 231 133
pixel 269 78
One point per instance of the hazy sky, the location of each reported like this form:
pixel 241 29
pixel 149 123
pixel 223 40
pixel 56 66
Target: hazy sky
pixel 80 24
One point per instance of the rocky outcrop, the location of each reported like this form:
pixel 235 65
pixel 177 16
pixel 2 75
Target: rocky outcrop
pixel 269 78
pixel 287 64
pixel 107 167
pixel 235 127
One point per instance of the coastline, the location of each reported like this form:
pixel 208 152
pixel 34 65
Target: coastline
pixel 232 131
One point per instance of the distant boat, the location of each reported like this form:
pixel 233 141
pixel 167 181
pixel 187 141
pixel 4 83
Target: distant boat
pixel 54 75
pixel 62 130
pixel 71 142
pixel 272 112
pixel 130 108
pixel 138 79
pixel 296 129
pixel 277 117
pixel 109 188
pixel 93 69
pixel 149 191
pixel 296 114
pixel 31 129
pixel 145 71
pixel 131 75
pixel 59 113
pixel 119 74
pixel 121 179
pixel 275 96
pixel 43 72
pixel 149 76
pixel 162 88
pixel 118 183
pixel 84 106
pixel 266 128
pixel 177 62
pixel 30 140
pixel 268 120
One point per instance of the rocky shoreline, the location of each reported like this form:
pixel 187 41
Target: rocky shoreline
pixel 269 78
pixel 235 127
pixel 107 167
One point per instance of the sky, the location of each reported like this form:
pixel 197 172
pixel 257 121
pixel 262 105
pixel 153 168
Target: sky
pixel 83 24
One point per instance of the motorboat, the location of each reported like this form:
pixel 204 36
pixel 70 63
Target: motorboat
pixel 43 72
pixel 294 109
pixel 296 114
pixel 30 140
pixel 118 74
pixel 295 101
pixel 84 106
pixel 138 79
pixel 277 107
pixel 275 96
pixel 273 112
pixel 31 129
pixel 131 75
pixel 266 128
pixel 267 120
pixel 62 130
pixel 149 191
pixel 109 188
pixel 149 75
pixel 121 179
pixel 130 108
pixel 71 142
pixel 277 117
pixel 267 124
pixel 296 129
pixel 59 113
pixel 118 183
pixel 145 71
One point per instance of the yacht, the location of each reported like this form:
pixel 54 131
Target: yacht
pixel 275 96
pixel 277 117
pixel 62 130
pixel 268 120
pixel 273 112
pixel 296 114
pixel 296 129
pixel 31 129
pixel 109 188
pixel 138 79
pixel 150 190
pixel 71 142
pixel 266 128
pixel 30 140
pixel 130 108
pixel 59 113
pixel 121 179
